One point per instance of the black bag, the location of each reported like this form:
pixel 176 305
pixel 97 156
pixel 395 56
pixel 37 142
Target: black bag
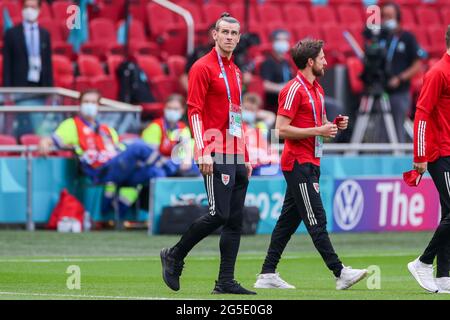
pixel 177 219
pixel 133 83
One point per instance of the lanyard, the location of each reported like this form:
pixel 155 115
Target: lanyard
pixel 312 100
pixel 391 50
pixel 225 78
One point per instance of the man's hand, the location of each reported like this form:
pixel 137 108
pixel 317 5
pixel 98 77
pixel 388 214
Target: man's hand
pixel 343 124
pixel 421 167
pixel 45 145
pixel 205 165
pixel 328 130
pixel 249 168
pixel 394 82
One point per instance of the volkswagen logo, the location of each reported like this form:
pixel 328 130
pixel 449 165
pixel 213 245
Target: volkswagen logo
pixel 348 205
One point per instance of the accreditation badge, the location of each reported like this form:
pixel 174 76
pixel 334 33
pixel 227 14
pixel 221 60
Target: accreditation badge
pixel 235 122
pixel 318 147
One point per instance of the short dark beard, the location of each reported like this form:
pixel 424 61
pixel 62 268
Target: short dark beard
pixel 317 73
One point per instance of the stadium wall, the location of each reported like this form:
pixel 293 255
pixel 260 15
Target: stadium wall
pixel 363 193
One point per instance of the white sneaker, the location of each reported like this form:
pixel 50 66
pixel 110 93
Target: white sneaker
pixel 349 277
pixel 271 281
pixel 423 273
pixel 443 284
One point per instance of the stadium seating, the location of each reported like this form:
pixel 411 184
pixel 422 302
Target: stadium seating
pixel 63 72
pixel 6 140
pixel 151 66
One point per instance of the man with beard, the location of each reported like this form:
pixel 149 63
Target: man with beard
pixel 302 122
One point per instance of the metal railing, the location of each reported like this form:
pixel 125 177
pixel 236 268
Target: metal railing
pixel 187 16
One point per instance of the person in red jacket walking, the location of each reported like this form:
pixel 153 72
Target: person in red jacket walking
pixel 215 116
pixel 432 152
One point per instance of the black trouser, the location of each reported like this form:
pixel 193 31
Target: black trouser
pixel 226 190
pixel 439 245
pixel 302 202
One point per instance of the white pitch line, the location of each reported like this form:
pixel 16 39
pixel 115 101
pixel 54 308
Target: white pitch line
pixel 82 296
pixel 150 259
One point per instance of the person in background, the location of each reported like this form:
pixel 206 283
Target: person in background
pixel 256 125
pixel 27 62
pixel 403 63
pixel 103 158
pixel 169 132
pixel 276 70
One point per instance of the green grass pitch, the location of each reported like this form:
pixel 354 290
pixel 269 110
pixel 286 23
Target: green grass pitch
pixel 126 265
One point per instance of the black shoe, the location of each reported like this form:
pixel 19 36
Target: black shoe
pixel 171 269
pixel 230 287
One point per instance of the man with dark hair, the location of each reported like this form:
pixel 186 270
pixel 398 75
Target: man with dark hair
pixel 432 152
pixel 215 115
pixel 303 123
pixel 275 70
pixel 403 56
pixel 27 62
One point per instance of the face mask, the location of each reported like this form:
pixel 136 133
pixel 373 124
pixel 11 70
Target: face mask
pixel 281 46
pixel 30 14
pixel 89 110
pixel 391 24
pixel 248 116
pixel 172 115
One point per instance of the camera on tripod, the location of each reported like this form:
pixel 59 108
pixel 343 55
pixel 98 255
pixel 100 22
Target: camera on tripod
pixel 375 75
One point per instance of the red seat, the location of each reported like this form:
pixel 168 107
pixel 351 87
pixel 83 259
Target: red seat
pixel 107 86
pixel 162 87
pixel 355 68
pixel 336 47
pixel 110 9
pixel 323 15
pixel 428 16
pixel 45 11
pixel 137 10
pixel 89 66
pixel 151 66
pixel 212 12
pixel 177 65
pixel 14 9
pixel 408 17
pixel 113 61
pixel 445 12
pixel 437 41
pixel 7 140
pixel 136 31
pixel 199 22
pixel 161 20
pixel 1 70
pixel 53 27
pixel 102 29
pixel 296 15
pixel 422 38
pixel 256 86
pixel 82 83
pixel 59 9
pixel 30 139
pixel 270 12
pixel 350 15
pixel 152 110
pixel 63 72
pixel 237 10
pixel 102 36
pixel 307 31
